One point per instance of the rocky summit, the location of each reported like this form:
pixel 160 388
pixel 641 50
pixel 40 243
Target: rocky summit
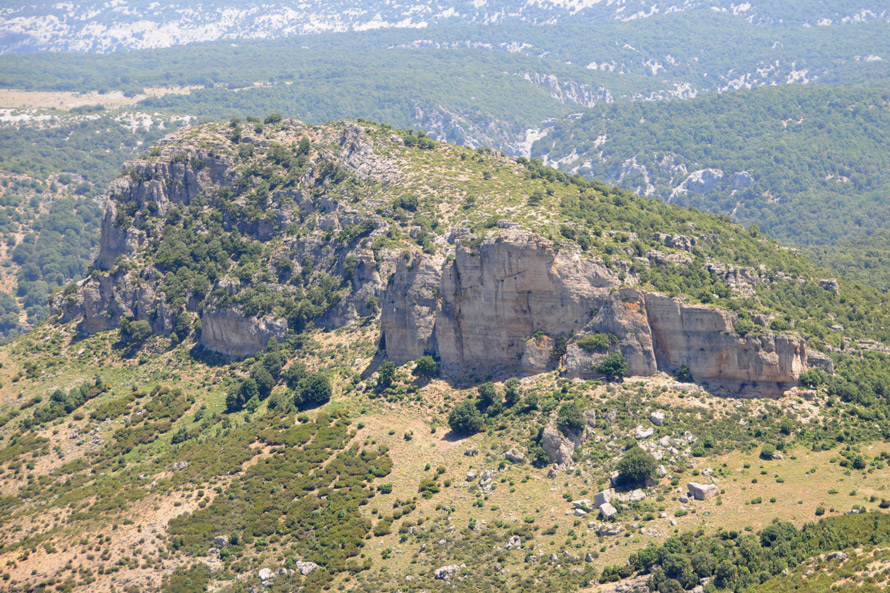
pixel 252 232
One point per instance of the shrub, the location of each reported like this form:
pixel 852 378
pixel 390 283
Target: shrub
pixel 512 392
pixel 684 375
pixel 596 342
pixel 487 395
pixel 273 118
pixel 636 466
pixel 465 418
pixel 767 451
pixel 613 367
pixel 812 378
pixel 312 391
pixel 744 326
pixel 427 367
pixel 428 487
pixel 569 418
pixel 135 332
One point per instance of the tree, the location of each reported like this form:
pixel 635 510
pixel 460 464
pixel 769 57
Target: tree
pixel 465 418
pixel 234 399
pixel 183 325
pixel 264 380
pixel 249 389
pixel 427 367
pixel 569 419
pixel 273 118
pixel 135 332
pixel 386 374
pixel 294 373
pixel 273 362
pixel 512 392
pixel 312 391
pixel 487 395
pixel 613 367
pixel 636 466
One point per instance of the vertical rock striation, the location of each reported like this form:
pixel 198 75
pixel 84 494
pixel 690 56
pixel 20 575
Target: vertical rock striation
pixel 480 311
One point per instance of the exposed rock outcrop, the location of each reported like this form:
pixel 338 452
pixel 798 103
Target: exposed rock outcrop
pixel 232 334
pixel 513 304
pixel 479 311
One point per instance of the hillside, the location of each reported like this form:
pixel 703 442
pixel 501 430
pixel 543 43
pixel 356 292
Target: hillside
pixel 806 164
pixel 348 356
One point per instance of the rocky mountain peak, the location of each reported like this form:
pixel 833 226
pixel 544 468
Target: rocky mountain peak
pixel 248 231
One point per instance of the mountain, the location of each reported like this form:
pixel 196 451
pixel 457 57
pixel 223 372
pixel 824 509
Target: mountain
pixel 805 164
pixel 76 117
pixel 101 27
pixel 252 385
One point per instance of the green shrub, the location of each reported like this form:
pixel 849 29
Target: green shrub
pixel 465 418
pixel 613 367
pixel 597 342
pixel 312 391
pixel 570 419
pixel 636 466
pixel 812 378
pixel 488 394
pixel 512 392
pixel 767 451
pixel 427 367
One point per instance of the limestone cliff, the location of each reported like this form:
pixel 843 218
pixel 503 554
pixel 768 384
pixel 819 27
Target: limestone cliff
pixel 480 310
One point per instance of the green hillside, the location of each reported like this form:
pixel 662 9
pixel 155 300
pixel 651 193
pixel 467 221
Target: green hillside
pixel 134 458
pixel 806 164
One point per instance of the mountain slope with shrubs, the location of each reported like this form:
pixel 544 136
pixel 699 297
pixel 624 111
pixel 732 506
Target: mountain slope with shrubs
pixel 213 409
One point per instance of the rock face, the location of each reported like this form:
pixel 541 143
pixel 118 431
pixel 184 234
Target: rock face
pixel 480 310
pixel 192 177
pixel 232 334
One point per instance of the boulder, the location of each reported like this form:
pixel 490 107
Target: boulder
pixel 643 433
pixel 608 511
pixel 514 543
pixel 266 574
pixel 702 491
pixel 657 418
pixel 609 529
pixel 445 573
pixel 221 541
pixel 583 503
pixel 557 447
pixel 601 498
pixel 514 456
pixel 306 568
